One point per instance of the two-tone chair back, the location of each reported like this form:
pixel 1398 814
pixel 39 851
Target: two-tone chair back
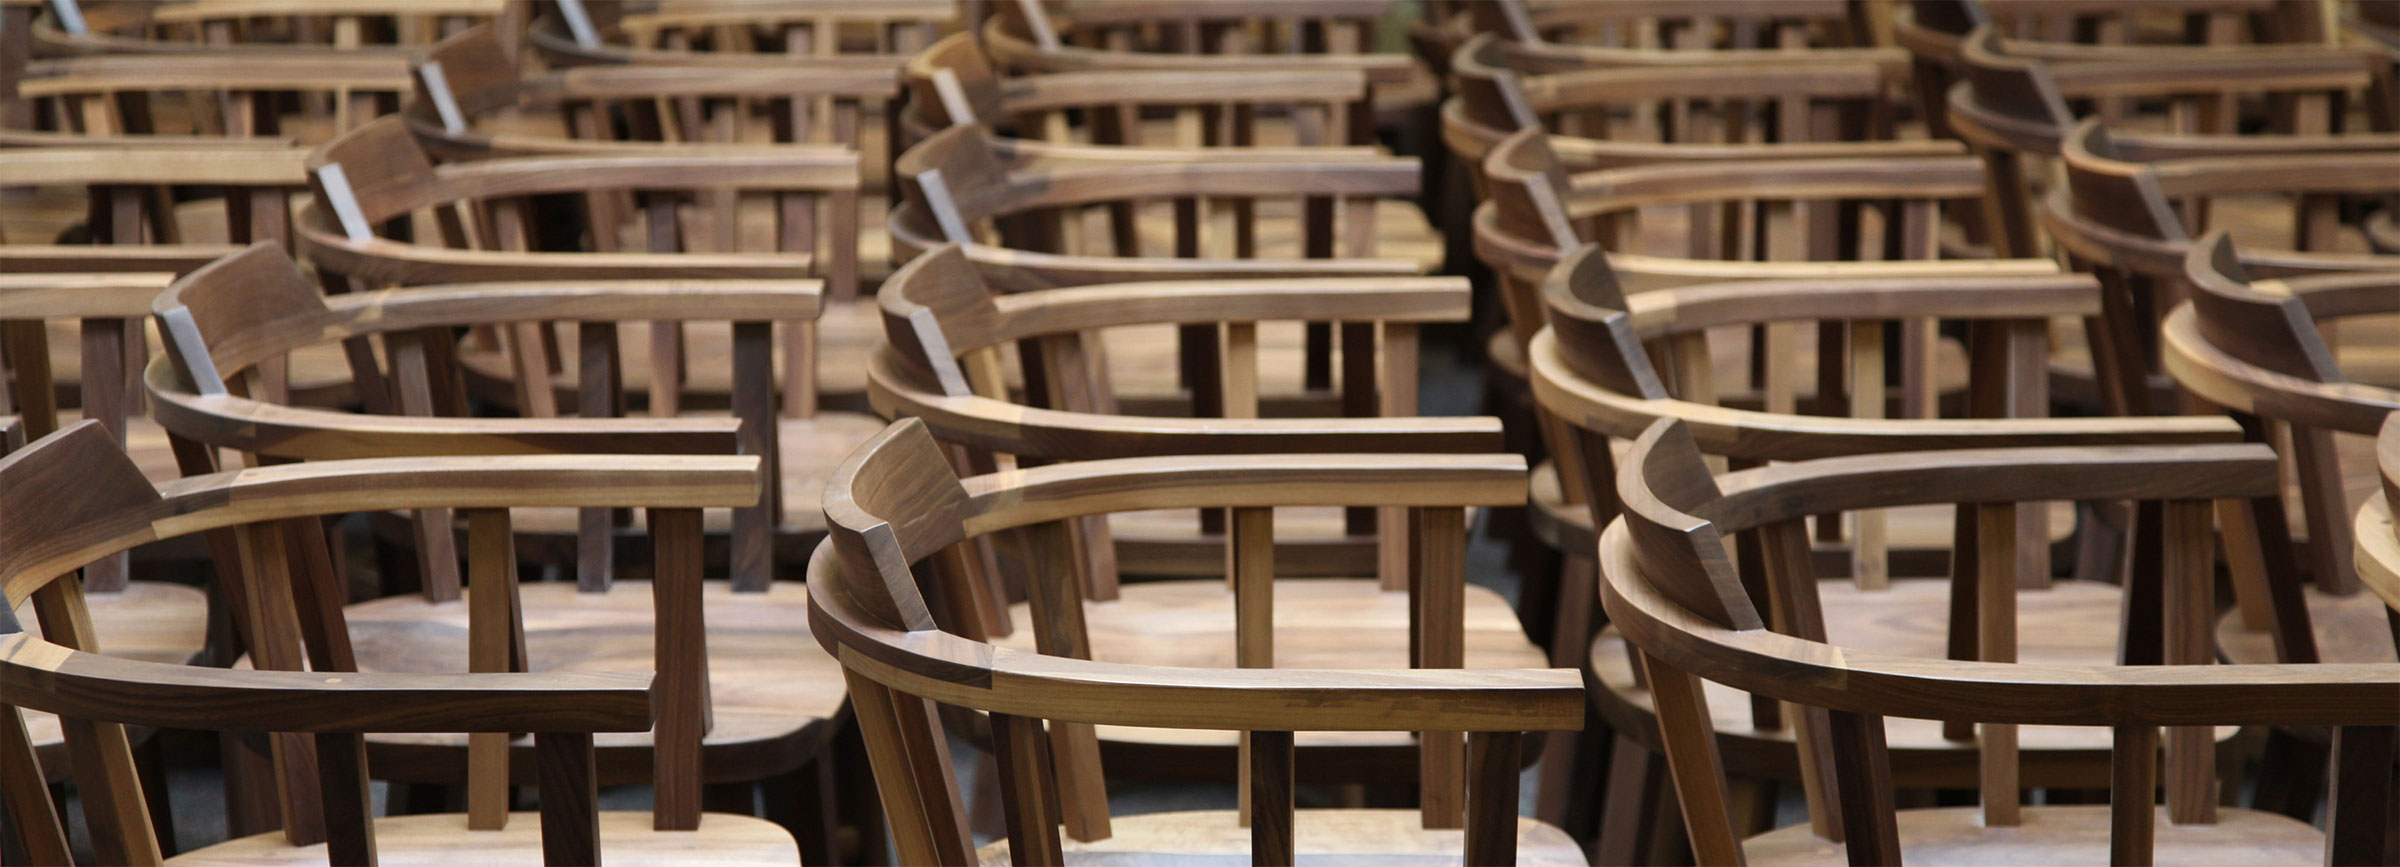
pixel 897 505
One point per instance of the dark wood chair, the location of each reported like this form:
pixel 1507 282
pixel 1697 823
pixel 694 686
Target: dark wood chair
pixel 1672 584
pixel 2253 347
pixel 378 175
pixel 74 496
pixel 775 702
pixel 897 504
pixel 2130 214
pixel 474 103
pixel 1593 371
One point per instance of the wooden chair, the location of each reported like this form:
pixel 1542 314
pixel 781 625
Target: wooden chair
pixel 473 103
pixel 1033 218
pixel 2253 347
pixel 897 504
pixel 1593 373
pixel 949 334
pixel 2013 105
pixel 1037 37
pixel 73 496
pixel 160 621
pixel 689 204
pixel 1670 581
pixel 389 28
pixel 776 705
pixel 1936 34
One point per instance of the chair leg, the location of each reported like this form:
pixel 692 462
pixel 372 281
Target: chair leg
pixel 861 804
pixel 249 787
pixel 150 762
pixel 1636 782
pixel 2291 776
pixel 803 803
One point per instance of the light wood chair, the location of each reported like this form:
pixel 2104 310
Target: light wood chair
pixel 1670 581
pixel 688 201
pixel 73 496
pixel 1593 372
pixel 2129 214
pixel 897 504
pixel 1030 37
pixel 776 702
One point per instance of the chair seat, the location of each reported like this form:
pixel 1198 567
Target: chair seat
pixel 811 448
pixel 2060 835
pixel 846 334
pixel 1201 837
pixel 2072 623
pixel 772 688
pixel 151 621
pixel 442 839
pixel 2349 629
pixel 1329 623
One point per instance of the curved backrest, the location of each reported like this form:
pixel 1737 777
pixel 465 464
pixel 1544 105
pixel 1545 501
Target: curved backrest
pixel 225 322
pixel 895 505
pixel 292 27
pixel 74 496
pixel 1696 25
pixel 2274 332
pixel 952 82
pixel 1667 582
pixel 1586 312
pixel 869 33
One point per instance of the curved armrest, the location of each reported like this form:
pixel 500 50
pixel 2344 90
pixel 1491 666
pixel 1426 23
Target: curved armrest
pixel 1215 87
pixel 782 167
pixel 954 670
pixel 386 261
pixel 1016 498
pixel 776 78
pixel 1668 183
pixel 80 295
pixel 1772 493
pixel 581 300
pixel 47 677
pixel 81 258
pixel 149 165
pixel 314 71
pixel 2208 70
pixel 1028 152
pixel 1691 308
pixel 1019 271
pixel 1842 678
pixel 1306 176
pixel 1062 311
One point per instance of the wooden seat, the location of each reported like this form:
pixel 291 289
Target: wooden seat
pixel 1670 581
pixel 443 838
pixel 73 495
pixel 773 717
pixel 1593 373
pixel 2378 535
pixel 897 503
pixel 1203 837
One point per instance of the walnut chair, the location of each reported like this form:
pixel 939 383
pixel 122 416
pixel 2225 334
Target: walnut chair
pixel 73 496
pixel 775 701
pixel 897 505
pixel 1671 582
